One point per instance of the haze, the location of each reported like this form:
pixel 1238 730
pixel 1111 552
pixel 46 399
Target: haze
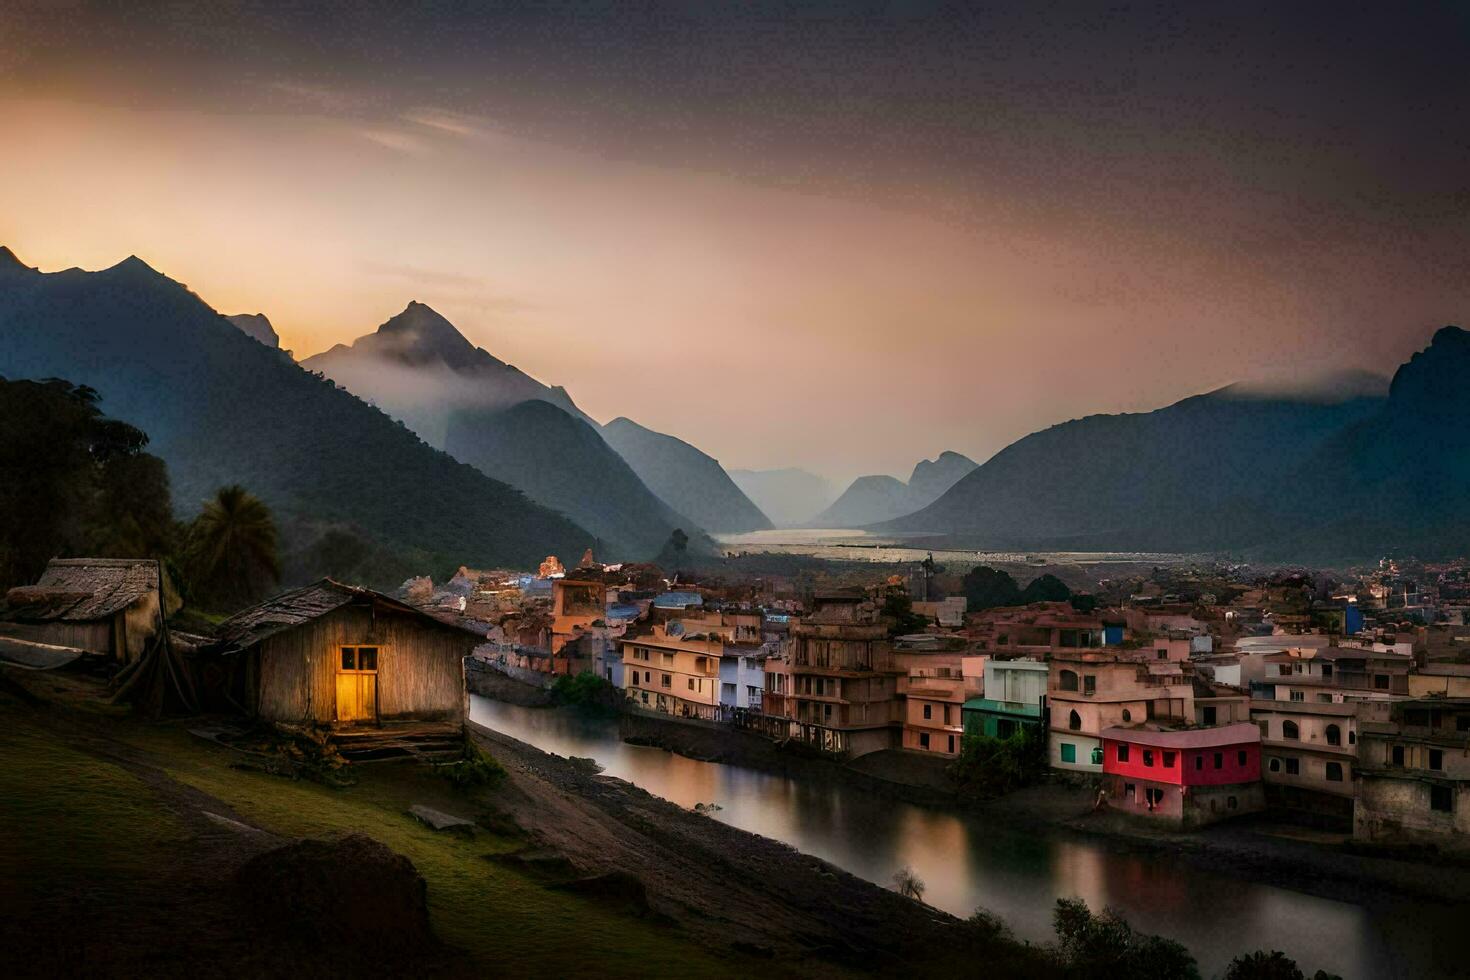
pixel 843 241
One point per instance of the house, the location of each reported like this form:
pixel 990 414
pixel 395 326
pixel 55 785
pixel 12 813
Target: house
pixel 1184 778
pixel 933 686
pixel 1089 690
pixel 104 606
pixel 674 668
pixel 1414 775
pixel 1013 694
pixel 575 606
pixel 837 690
pixel 336 655
pixel 1311 756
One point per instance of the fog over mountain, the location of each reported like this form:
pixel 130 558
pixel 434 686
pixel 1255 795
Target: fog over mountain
pixel 789 497
pixel 1326 469
pixel 871 499
pixel 688 480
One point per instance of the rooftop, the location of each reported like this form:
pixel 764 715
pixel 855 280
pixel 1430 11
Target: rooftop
pixel 1190 738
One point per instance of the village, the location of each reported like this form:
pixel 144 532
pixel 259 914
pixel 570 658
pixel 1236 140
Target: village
pixel 1346 712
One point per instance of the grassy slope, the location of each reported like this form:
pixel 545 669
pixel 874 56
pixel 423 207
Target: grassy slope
pixel 68 813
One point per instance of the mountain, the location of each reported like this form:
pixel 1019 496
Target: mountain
pixel 1332 469
pixel 871 499
pixel 686 479
pixel 256 325
pixel 420 369
pixel 220 408
pixel 562 462
pixel 789 497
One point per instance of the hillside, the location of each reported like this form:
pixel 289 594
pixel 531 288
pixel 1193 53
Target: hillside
pixel 221 408
pixel 1327 473
pixel 789 497
pixel 563 463
pixel 420 369
pixel 871 499
pixel 689 481
pixel 256 325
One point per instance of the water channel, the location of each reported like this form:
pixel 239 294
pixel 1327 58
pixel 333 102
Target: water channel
pixel 1018 874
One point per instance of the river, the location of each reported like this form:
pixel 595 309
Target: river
pixel 848 544
pixel 966 863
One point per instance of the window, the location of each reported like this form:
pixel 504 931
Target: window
pixel 1326 671
pixel 1241 758
pixel 1290 731
pixel 1069 752
pixel 1334 735
pixel 691 683
pixel 1298 695
pixel 1462 723
pixel 923 740
pixel 1074 721
pixel 1334 772
pixel 359 659
pixel 1436 760
pixel 1004 728
pixel 1169 760
pixel 1148 757
pixel 1163 653
pixel 1122 752
pixel 1380 682
pixel 1096 755
pixel 1067 681
pixel 1441 799
pixel 951 743
pixel 1209 715
pixel 1127 715
pixel 928 712
pixel 1231 803
pixel 1274 764
pixel 1352 737
pixel 1397 755
pixel 1219 760
pixel 667 680
pixel 1128 790
pixel 1293 767
pixel 1324 698
pixel 1089 684
pixel 1199 762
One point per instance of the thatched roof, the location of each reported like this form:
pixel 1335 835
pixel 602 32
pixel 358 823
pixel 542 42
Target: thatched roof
pixel 300 606
pixel 84 589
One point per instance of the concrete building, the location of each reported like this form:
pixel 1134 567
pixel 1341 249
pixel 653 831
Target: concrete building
pixel 934 688
pixel 1183 778
pixel 1311 755
pixel 1088 691
pixel 1414 775
pixel 837 691
pixel 674 670
pixel 1011 699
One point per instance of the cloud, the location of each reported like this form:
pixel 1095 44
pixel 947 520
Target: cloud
pixel 396 140
pixel 444 121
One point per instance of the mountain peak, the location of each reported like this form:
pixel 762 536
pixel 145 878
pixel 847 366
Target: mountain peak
pixel 10 263
pixel 1433 379
pixel 256 325
pixel 420 334
pixel 133 265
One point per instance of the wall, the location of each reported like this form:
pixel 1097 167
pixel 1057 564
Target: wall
pixel 420 667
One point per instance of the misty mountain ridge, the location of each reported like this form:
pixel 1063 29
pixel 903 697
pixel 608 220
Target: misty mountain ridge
pixel 871 499
pixel 688 480
pixel 788 496
pixel 221 408
pixel 1294 476
pixel 420 369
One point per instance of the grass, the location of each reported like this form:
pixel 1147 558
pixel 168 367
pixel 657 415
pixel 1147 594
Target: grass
pixel 506 922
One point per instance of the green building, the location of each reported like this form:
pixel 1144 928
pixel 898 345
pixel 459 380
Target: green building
pixel 1014 690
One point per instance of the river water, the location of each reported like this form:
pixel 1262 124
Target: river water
pixel 857 545
pixel 1018 874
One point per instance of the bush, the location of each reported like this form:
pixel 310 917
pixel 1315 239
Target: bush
pixel 586 690
pixel 1105 946
pixel 476 768
pixel 1274 965
pixel 989 766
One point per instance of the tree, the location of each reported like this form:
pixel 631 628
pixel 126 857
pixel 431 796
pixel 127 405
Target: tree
pixel 1046 588
pixel 908 884
pixel 232 549
pixel 1106 946
pixel 988 766
pixel 1261 965
pixel 74 482
pixel 674 550
pixel 986 588
pixel 899 608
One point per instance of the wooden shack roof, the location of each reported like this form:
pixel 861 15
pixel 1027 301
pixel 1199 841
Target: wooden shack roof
pixel 300 606
pixel 83 589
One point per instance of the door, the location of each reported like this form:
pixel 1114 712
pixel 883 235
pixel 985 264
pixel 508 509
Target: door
pixel 357 684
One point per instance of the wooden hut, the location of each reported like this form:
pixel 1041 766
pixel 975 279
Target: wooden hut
pixel 107 606
pixel 336 655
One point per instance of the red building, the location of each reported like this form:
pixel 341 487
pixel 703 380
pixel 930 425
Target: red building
pixel 1188 777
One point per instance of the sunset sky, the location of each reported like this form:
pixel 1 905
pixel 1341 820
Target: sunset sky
pixel 841 237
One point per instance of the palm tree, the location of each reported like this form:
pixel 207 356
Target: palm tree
pixel 232 548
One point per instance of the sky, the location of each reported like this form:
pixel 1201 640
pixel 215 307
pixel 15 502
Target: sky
pixel 841 237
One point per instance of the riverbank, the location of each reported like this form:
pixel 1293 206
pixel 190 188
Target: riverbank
pixel 1257 848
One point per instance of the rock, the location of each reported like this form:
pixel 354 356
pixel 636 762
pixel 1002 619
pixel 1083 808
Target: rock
pixel 351 894
pixel 546 865
pixel 439 820
pixel 619 890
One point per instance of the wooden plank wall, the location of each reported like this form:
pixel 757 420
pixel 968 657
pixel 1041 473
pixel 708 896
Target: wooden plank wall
pixel 420 668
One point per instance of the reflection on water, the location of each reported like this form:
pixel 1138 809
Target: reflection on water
pixel 857 545
pixel 966 863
